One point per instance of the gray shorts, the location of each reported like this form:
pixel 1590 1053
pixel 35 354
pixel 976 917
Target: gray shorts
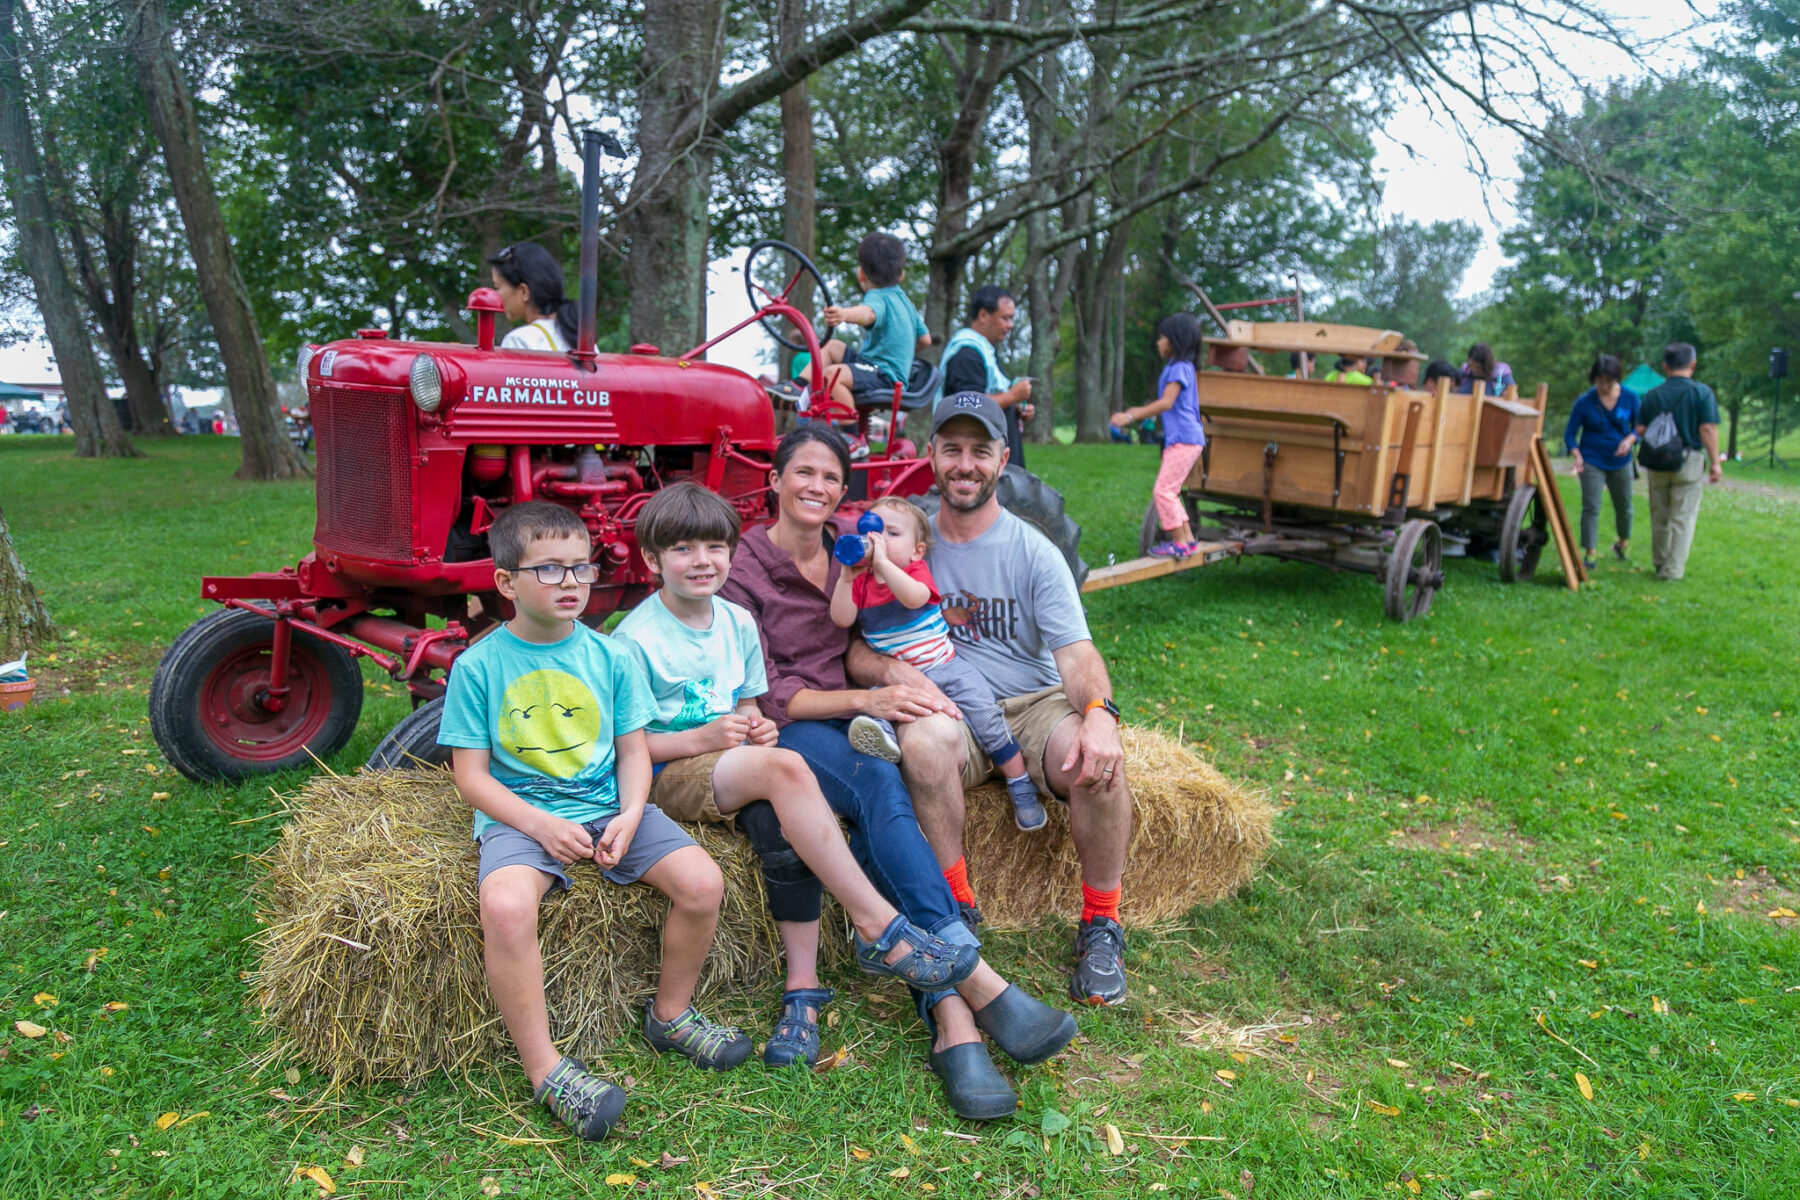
pixel 657 837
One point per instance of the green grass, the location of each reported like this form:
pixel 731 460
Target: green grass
pixel 1512 809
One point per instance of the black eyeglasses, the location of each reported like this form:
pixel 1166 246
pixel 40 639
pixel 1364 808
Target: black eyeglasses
pixel 552 574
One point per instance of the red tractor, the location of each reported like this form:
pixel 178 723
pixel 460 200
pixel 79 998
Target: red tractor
pixel 419 446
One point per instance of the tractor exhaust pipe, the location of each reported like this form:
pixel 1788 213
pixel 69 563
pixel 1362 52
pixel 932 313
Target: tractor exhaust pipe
pixel 591 142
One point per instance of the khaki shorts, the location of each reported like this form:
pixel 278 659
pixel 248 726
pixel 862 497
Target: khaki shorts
pixel 683 789
pixel 1031 718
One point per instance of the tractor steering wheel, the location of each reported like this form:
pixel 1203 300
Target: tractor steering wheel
pixel 772 270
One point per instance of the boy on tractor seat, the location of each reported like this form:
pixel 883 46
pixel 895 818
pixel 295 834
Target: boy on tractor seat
pixel 864 375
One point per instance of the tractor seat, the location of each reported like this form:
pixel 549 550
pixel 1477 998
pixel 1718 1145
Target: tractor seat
pixel 922 388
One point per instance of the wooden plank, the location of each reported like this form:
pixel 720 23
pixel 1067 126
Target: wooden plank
pixel 1474 424
pixel 1574 574
pixel 1312 337
pixel 1136 569
pixel 1440 403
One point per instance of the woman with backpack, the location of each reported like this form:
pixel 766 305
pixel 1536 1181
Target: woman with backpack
pixel 1599 437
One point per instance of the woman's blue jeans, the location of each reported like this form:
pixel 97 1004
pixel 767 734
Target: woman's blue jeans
pixel 884 833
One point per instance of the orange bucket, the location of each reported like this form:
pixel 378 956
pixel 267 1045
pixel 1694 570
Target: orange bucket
pixel 16 695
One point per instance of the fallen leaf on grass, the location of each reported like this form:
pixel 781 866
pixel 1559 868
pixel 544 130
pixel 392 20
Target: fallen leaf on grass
pixel 488 1186
pixel 63 1035
pixel 860 1155
pixel 1743 1097
pixel 1115 1141
pixel 1399 1064
pixel 1479 1194
pixel 44 1000
pixel 912 1147
pixel 353 1158
pixel 671 1161
pixel 620 1180
pixel 1589 963
pixel 191 1118
pixel 166 1120
pixel 1386 1110
pixel 159 795
pixel 832 1061
pixel 292 1075
pixel 318 1175
pixel 1587 1089
pixel 1657 1005
pixel 30 1029
pixel 900 1173
pixel 1784 914
pixel 705 1192
pixel 1227 1076
pixel 114 1006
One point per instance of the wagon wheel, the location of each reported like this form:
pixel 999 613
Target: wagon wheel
pixel 208 709
pixel 1523 532
pixel 772 269
pixel 1414 570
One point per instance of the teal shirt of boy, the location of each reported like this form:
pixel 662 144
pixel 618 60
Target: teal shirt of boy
pixel 696 675
pixel 547 714
pixel 891 340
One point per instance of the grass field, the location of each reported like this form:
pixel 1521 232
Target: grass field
pixel 1515 941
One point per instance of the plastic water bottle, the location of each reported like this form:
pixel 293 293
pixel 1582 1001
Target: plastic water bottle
pixel 852 548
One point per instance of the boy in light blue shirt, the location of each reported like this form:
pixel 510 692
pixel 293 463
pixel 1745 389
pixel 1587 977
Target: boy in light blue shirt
pixel 716 760
pixel 545 719
pixel 865 374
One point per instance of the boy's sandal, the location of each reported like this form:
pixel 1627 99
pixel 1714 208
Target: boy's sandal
pixel 796 1036
pixel 931 963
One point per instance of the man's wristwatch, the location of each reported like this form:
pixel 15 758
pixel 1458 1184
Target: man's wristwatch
pixel 1112 710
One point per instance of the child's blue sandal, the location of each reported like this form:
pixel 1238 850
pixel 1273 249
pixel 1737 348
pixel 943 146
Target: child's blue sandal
pixel 796 1036
pixel 932 963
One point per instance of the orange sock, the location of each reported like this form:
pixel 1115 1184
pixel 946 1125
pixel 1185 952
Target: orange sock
pixel 957 875
pixel 1099 904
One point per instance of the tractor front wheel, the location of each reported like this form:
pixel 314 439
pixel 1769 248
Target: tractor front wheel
pixel 210 709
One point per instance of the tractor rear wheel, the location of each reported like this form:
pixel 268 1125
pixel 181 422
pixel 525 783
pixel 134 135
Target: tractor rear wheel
pixel 413 742
pixel 1038 505
pixel 208 699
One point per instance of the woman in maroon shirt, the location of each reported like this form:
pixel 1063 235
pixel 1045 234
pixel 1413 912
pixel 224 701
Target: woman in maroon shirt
pixel 784 574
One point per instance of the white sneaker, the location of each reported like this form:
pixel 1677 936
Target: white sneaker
pixel 874 737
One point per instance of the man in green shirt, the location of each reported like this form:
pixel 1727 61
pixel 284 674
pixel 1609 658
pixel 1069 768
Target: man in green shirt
pixel 1675 495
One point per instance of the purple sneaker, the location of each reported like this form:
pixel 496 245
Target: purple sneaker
pixel 1171 549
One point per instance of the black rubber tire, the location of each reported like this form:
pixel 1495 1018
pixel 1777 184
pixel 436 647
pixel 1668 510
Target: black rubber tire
pixel 770 248
pixel 413 742
pixel 1418 549
pixel 1038 505
pixel 179 687
pixel 1523 533
pixel 1150 532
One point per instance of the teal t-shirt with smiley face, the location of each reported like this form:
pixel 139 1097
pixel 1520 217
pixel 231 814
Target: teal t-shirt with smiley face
pixel 547 715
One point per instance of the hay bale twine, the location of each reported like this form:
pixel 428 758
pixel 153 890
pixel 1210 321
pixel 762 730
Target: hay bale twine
pixel 371 947
pixel 371 952
pixel 1196 838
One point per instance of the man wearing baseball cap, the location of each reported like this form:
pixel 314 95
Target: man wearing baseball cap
pixel 1015 614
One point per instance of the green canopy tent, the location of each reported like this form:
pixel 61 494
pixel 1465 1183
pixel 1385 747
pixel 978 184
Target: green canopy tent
pixel 1642 378
pixel 12 391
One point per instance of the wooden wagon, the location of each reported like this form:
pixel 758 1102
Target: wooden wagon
pixel 1356 477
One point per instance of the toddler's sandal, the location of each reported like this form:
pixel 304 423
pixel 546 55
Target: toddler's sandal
pixel 931 963
pixel 796 1036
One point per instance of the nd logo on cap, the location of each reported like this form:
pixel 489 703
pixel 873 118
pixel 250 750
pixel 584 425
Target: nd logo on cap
pixel 969 400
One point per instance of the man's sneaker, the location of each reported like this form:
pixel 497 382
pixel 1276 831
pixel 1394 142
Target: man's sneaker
pixel 874 737
pixel 971 916
pixel 1099 962
pixel 580 1099
pixel 1028 806
pixel 715 1046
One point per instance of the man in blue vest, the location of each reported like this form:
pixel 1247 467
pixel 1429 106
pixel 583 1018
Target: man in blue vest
pixel 970 364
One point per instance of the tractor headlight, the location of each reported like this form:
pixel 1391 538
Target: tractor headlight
pixel 302 361
pixel 427 385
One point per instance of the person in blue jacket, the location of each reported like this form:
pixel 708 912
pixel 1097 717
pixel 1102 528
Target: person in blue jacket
pixel 1599 437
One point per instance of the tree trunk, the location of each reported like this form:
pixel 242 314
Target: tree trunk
pixel 268 454
pixel 799 205
pixel 1731 452
pixel 23 621
pixel 666 209
pixel 1041 303
pixel 98 433
pixel 978 78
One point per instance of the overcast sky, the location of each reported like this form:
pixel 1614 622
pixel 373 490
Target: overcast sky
pixel 1428 173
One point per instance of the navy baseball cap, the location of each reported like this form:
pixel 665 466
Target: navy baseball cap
pixel 983 408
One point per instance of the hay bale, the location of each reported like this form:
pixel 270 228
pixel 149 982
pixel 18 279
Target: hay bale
pixel 1196 838
pixel 371 952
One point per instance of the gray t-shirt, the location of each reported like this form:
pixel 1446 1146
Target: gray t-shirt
pixel 1010 602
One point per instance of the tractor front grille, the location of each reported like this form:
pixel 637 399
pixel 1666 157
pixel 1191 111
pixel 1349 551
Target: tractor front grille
pixel 364 472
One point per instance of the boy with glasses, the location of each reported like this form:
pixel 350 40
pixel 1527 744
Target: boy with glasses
pixel 545 718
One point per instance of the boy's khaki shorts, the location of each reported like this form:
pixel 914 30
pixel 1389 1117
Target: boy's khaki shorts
pixel 683 789
pixel 1031 717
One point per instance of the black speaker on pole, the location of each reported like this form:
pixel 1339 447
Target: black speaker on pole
pixel 1778 363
